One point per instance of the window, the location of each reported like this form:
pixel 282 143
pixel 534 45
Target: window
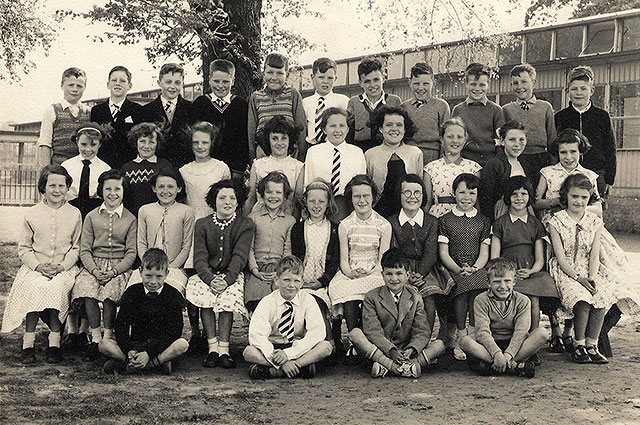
pixel 631 34
pixel 511 54
pixel 625 113
pixel 568 42
pixel 538 46
pixel 600 38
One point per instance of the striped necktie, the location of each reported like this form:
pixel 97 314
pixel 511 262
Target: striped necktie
pixel 335 171
pixel 115 109
pixel 320 135
pixel 286 322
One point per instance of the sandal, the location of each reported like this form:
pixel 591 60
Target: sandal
pixel 568 343
pixel 557 346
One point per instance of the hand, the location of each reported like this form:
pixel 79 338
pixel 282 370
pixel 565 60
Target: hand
pixel 131 355
pixel 290 368
pixel 587 284
pixel 314 284
pixel 218 285
pixel 394 355
pixel 279 357
pixel 523 273
pixel 265 276
pixel 466 270
pixel 499 363
pixel 45 269
pixel 407 354
pixel 510 362
pixel 140 360
pixel 607 190
pixel 416 279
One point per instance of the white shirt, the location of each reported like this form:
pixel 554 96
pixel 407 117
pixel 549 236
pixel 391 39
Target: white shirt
pixel 112 105
pixel 46 128
pixel 214 98
pixel 146 291
pixel 118 210
pixel 310 104
pixel 373 105
pixel 153 159
pixel 74 168
pixel 308 324
pixel 320 160
pixel 417 219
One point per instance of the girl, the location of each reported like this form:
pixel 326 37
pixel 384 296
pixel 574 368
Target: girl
pixel 107 251
pixel 272 239
pixel 145 138
pixel 167 225
pixel 464 238
pixel 505 164
pixel 439 174
pixel 392 159
pixel 222 242
pixel 364 236
pixel 280 134
pixel 48 250
pixel 416 234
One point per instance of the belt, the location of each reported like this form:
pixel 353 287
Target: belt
pixel 444 200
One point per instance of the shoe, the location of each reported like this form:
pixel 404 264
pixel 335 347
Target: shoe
pixel 114 366
pixel 410 370
pixel 580 355
pixel 70 342
pixel 557 346
pixel 166 368
pixel 91 353
pixel 308 371
pixel 351 357
pixel 211 360
pixel 458 354
pixel 378 371
pixel 535 359
pixel 525 370
pixel 225 361
pixel 479 366
pixel 197 344
pixel 54 355
pixel 28 356
pixel 595 356
pixel 568 344
pixel 258 371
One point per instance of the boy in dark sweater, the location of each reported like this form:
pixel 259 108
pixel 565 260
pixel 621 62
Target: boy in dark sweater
pixel 148 326
pixel 594 123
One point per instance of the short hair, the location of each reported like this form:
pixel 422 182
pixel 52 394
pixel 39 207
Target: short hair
pixel 275 177
pixel 155 258
pixel 120 68
pixel 93 130
pixel 582 73
pixel 167 172
pixel 291 264
pixel 518 182
pixel 360 180
pixel 569 135
pixel 510 125
pixel 453 121
pixel 112 174
pixel 47 170
pixel 205 127
pixel 498 267
pixel 235 184
pixel 333 110
pixel 523 67
pixel 411 178
pixel 368 65
pixel 277 60
pixel 394 258
pixel 222 65
pixel 323 65
pixel 470 180
pixel 580 181
pixel 377 121
pixel 170 68
pixel 144 129
pixel 476 70
pixel 320 184
pixel 73 72
pixel 421 68
pixel 282 125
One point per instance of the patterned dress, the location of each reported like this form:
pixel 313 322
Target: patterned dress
pixel 316 242
pixel 555 175
pixel 442 175
pixel 289 166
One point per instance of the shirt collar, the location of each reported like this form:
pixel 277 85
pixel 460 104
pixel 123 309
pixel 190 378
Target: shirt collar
pixel 515 218
pixel 493 297
pixel 417 219
pixel 164 101
pixel 383 99
pixel 582 111
pixel 470 101
pixel 72 108
pixel 471 213
pixel 153 159
pixel 119 104
pixel 275 92
pixel 226 99
pixel 319 224
pixel 531 100
pixel 118 210
pixel 264 211
pixel 295 300
pixel 324 96
pixel 146 291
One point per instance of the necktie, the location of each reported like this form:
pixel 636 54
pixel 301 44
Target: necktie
pixel 396 298
pixel 83 188
pixel 168 109
pixel 320 135
pixel 160 240
pixel 524 106
pixel 152 295
pixel 286 322
pixel 419 103
pixel 115 109
pixel 335 171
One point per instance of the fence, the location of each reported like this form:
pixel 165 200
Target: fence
pixel 18 184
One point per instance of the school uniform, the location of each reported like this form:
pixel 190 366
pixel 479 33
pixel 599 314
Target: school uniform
pixel 362 110
pixel 59 124
pixel 115 150
pixel 313 106
pixel 482 119
pixel 74 167
pixel 428 116
pixel 299 240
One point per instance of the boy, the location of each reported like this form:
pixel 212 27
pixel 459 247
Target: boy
pixel 323 77
pixel 227 112
pixel 481 116
pixel 287 330
pixel 395 331
pixel 174 113
pixel 594 123
pixel 61 120
pixel 361 108
pixel 148 326
pixel 427 112
pixel 85 169
pixel 276 98
pixel 535 114
pixel 119 113
pixel 503 318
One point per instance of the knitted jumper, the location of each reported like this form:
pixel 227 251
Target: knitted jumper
pixel 65 126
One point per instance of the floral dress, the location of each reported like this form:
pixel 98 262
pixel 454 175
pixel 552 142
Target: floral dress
pixel 442 175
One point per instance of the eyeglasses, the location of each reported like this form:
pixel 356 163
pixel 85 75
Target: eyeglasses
pixel 415 193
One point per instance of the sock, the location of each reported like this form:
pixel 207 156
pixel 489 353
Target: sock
pixel 223 346
pixel 96 335
pixel 578 342
pixel 213 344
pixel 471 331
pixel 72 324
pixel 28 340
pixel 592 342
pixel 54 339
pixel 423 359
pixel 378 356
pixel 154 362
pixel 84 326
pixel 108 333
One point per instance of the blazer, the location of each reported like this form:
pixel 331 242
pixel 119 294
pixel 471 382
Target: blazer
pixel 115 150
pixel 387 326
pixel 332 262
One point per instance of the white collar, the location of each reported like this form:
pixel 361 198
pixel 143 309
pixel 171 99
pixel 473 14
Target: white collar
pixel 146 291
pixel 164 101
pixel 531 100
pixel 295 300
pixel 471 213
pixel 324 96
pixel 516 218
pixel 118 210
pixel 153 159
pixel 583 110
pixel 226 99
pixel 417 219
pixel 383 100
pixel 72 107
pixel 119 104
pixel 470 101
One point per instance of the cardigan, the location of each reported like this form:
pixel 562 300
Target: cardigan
pixel 378 157
pixel 332 261
pixel 361 114
pixel 418 243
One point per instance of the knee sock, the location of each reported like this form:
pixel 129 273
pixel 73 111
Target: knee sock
pixel 423 359
pixel 336 329
pixel 54 339
pixel 223 346
pixel 108 333
pixel 96 335
pixel 471 331
pixel 72 324
pixel 213 344
pixel 578 342
pixel 84 326
pixel 28 340
pixel 378 356
pixel 154 362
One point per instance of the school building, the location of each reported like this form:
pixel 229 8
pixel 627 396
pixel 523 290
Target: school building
pixel 609 43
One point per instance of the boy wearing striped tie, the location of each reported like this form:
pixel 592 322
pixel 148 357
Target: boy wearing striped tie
pixel 287 330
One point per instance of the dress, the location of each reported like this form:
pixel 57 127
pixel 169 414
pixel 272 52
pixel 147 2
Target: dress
pixel 316 241
pixel 198 177
pixel 465 233
pixel 517 243
pixel 555 175
pixel 442 176
pixel 289 166
pixel 363 238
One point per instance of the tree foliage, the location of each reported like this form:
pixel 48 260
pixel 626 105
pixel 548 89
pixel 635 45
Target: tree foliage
pixel 541 11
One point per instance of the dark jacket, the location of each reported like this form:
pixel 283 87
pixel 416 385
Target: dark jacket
pixel 115 150
pixel 332 262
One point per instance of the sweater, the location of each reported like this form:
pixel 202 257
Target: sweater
pixel 428 118
pixel 138 176
pixel 361 114
pixel 538 121
pixel 482 121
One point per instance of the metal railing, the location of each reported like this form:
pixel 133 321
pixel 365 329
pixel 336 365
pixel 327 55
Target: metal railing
pixel 18 184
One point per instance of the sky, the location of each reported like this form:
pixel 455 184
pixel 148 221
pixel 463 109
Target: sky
pixel 340 33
